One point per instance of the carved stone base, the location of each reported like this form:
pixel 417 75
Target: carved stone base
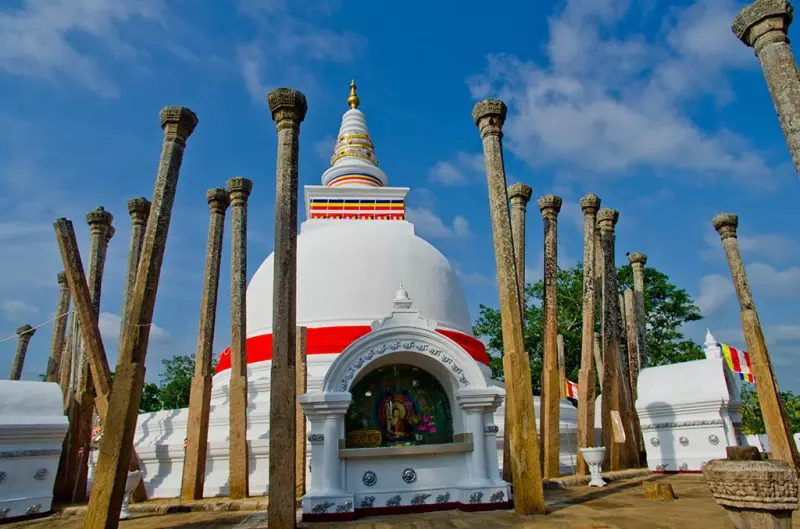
pixel 756 494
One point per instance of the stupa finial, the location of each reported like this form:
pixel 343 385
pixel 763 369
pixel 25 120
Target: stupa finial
pixel 353 100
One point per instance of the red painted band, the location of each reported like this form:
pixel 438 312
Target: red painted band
pixel 332 340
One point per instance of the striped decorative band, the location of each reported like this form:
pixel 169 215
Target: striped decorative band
pixel 353 178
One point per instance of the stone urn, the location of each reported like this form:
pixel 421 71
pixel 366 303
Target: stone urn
pixel 756 494
pixel 130 484
pixel 594 458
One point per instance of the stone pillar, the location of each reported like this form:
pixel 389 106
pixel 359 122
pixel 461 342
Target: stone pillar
pixel 288 108
pixel 638 260
pixel 24 335
pixel 100 230
pixel 631 334
pixel 239 487
pixel 550 206
pixel 490 431
pixel 598 360
pixel 139 210
pixel 519 195
pixel 618 436
pixel 325 412
pixel 764 25
pixel 475 403
pixel 194 466
pixel 586 385
pixel 300 417
pixel 562 368
pixel 59 331
pixel 780 436
pixel 116 446
pixel 489 116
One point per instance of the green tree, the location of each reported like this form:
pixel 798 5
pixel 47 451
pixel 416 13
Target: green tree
pixel 176 382
pixel 751 410
pixel 150 399
pixel 666 307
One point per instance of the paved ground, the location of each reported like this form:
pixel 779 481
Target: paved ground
pixel 617 506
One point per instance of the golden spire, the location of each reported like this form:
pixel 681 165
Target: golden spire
pixel 353 100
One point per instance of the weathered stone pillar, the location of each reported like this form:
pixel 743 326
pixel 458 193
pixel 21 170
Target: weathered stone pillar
pixel 238 191
pixel 550 206
pixel 65 369
pixel 24 335
pixel 288 108
pixel 300 419
pixel 562 367
pixel 194 466
pixel 618 437
pixel 519 195
pixel 101 231
pixel 59 330
pixel 638 260
pixel 586 386
pixel 139 210
pixel 633 346
pixel 598 360
pixel 116 445
pixel 764 25
pixel 489 116
pixel 780 436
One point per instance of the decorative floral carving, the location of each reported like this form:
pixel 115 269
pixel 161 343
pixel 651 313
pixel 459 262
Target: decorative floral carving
pixel 684 441
pixel 4 512
pixel 41 474
pixel 322 508
pixel 655 441
pixel 419 499
pixel 11 454
pixel 421 347
pixel 34 509
pixel 367 501
pixel 661 467
pixel 316 437
pixel 443 498
pixel 394 501
pixel 713 439
pixel 369 478
pixel 492 428
pixel 345 507
pixel 682 424
pixel 684 467
pixel 409 475
pixel 497 497
pixel 476 497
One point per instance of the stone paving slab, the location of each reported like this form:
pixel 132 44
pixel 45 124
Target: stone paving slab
pixel 620 505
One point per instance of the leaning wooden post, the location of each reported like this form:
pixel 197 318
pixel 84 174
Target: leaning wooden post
pixel 780 436
pixel 489 116
pixel 194 466
pixel 550 400
pixel 59 330
pixel 586 384
pixel 519 195
pixel 288 109
pixel 239 477
pixel 617 432
pixel 300 419
pixel 116 445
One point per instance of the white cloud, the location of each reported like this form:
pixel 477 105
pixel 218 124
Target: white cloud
pixel 288 31
pixel 774 283
pixel 608 106
pixel 324 147
pixel 429 224
pixel 715 291
pixel 462 170
pixel 770 247
pixel 38 38
pixel 15 309
pixel 110 324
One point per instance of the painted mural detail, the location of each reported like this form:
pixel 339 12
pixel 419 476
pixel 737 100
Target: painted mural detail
pixel 398 405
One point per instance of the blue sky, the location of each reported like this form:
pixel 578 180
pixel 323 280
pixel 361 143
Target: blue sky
pixel 658 110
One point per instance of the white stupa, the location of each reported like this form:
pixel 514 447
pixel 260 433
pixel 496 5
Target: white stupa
pixel 353 250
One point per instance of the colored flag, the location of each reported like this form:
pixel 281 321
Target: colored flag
pixel 738 361
pixel 572 390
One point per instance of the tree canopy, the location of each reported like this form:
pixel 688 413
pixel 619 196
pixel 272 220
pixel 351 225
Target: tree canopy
pixel 175 386
pixel 667 307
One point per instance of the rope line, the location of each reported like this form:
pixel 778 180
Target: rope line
pixel 34 328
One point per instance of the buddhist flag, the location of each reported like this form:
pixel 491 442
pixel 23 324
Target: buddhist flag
pixel 738 361
pixel 572 389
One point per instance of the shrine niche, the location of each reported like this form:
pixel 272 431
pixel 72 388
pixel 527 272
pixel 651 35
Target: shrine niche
pixel 398 405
